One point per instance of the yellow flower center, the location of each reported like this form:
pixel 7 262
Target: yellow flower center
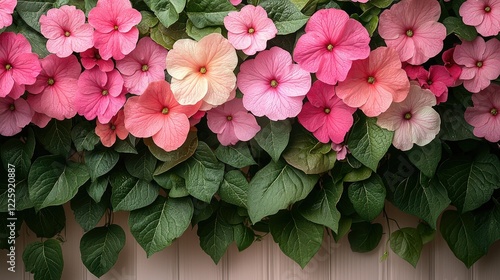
pixel 487 9
pixel 251 30
pixel 494 111
pixel 408 116
pixel 329 47
pixel 67 33
pixel 479 64
pixel 12 107
pixel 164 111
pixel 8 67
pixel 116 27
pixel 274 83
pixel 104 92
pixel 327 110
pixel 203 70
pixel 371 80
pixel 50 81
pixel 145 68
pixel 409 33
pixel 229 118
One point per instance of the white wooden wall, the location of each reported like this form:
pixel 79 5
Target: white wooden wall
pixel 263 260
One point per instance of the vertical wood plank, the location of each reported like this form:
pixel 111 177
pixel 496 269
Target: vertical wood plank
pixel 72 233
pixel 162 265
pixel 28 237
pixel 446 265
pixel 251 264
pixel 488 267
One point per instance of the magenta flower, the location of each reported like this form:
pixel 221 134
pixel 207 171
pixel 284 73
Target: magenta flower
pixel 232 122
pixel 145 64
pixel 272 85
pixel 18 65
pixel 157 114
pixel 91 58
pixel 331 42
pixel 413 120
pixel 482 14
pixel 6 10
pixel 15 114
pixel 326 115
pixel 437 80
pixel 54 91
pixel 453 68
pixel 250 29
pixel 375 82
pixel 114 128
pixel 417 36
pixel 115 23
pixel 100 94
pixel 235 2
pixel 66 30
pixel 484 116
pixel 480 62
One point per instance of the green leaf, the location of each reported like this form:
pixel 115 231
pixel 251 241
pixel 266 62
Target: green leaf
pixel 458 231
pixel 167 11
pixel 275 187
pixel 30 11
pixel 166 37
pixel 100 248
pixel 453 124
pixel 158 225
pixel 100 161
pixel 371 25
pixel 173 158
pixel 198 33
pixel 97 188
pixel 215 236
pixel 23 200
pixel 87 212
pixel 53 182
pixel 142 164
pixel 470 183
pixel 407 244
pixel 285 15
pixel 297 237
pixel 488 226
pixel 368 197
pixel 368 142
pixel 126 146
pixel 84 137
pixel 427 233
pixel 234 188
pixel 426 158
pixel 421 197
pixel 358 174
pixel 306 153
pixel 56 137
pixel 455 25
pixel 47 222
pixel 243 236
pixel 19 154
pixel 364 236
pixel 320 206
pixel 204 13
pixel 37 41
pixel 148 21
pixel 44 259
pixel 381 3
pixel 203 173
pixel 237 156
pixel 274 137
pixel 89 4
pixel 344 228
pixel 129 193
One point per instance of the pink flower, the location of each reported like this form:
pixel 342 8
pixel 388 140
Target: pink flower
pixel 115 23
pixel 250 29
pixel 91 58
pixel 341 150
pixel 360 1
pixel 413 120
pixel 272 85
pixel 6 10
pixel 437 80
pixel 66 30
pixel 483 14
pixel 18 65
pixel 156 113
pixel 54 91
pixel 145 64
pixel 480 62
pixel 15 114
pixel 326 115
pixel 484 116
pixel 109 131
pixel 41 120
pixel 417 36
pixel 374 83
pixel 331 42
pixel 232 122
pixel 453 68
pixel 202 70
pixel 100 94
pixel 235 2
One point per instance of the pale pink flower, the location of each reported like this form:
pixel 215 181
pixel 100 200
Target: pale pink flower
pixel 413 120
pixel 326 115
pixel 91 58
pixel 453 68
pixel 114 128
pixel 6 10
pixel 15 114
pixel 100 94
pixel 482 14
pixel 54 91
pixel 250 29
pixel 331 42
pixel 437 80
pixel 18 65
pixel 202 70
pixel 341 150
pixel 412 28
pixel 66 30
pixel 145 64
pixel 480 62
pixel 157 114
pixel 375 82
pixel 41 120
pixel 484 116
pixel 115 23
pixel 232 122
pixel 272 85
